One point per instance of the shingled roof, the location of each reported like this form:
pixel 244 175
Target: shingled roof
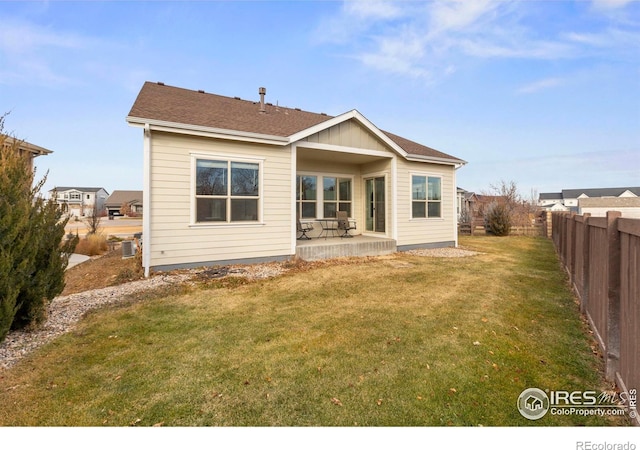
pixel 159 102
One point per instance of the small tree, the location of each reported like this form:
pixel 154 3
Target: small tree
pixel 16 251
pixel 93 220
pixel 499 215
pixel 32 261
pixel 125 209
pixel 47 270
pixel 497 219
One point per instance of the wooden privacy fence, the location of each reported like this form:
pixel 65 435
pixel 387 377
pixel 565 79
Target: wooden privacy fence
pixel 602 257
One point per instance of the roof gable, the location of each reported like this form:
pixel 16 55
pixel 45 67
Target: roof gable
pixel 186 108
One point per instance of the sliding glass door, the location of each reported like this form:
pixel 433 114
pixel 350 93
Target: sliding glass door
pixel 375 205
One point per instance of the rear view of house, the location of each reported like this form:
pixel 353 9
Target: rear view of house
pixel 226 179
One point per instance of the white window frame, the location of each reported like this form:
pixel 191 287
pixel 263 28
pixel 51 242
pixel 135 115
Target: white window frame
pixel 427 175
pixel 229 159
pixel 298 212
pixel 320 191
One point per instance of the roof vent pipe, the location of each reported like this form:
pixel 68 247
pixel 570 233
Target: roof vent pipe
pixel 262 91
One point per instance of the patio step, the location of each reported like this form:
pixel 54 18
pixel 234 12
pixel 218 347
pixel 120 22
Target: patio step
pixel 338 248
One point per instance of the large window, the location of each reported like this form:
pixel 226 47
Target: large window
pixel 336 196
pixel 320 196
pixel 426 196
pixel 227 191
pixel 306 196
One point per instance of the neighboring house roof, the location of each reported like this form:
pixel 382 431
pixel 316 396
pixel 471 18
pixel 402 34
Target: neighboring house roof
pixel 550 196
pixel 173 105
pixel 81 189
pixel 117 198
pixel 35 150
pixel 599 192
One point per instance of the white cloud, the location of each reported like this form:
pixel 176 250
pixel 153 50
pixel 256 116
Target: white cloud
pixel 608 38
pixel 42 56
pixel 372 9
pixel 21 39
pixel 398 55
pixel 30 53
pixel 540 85
pixel 426 38
pixel 459 14
pixel 611 4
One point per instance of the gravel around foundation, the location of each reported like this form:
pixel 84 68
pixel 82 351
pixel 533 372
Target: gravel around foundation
pixel 445 252
pixel 66 311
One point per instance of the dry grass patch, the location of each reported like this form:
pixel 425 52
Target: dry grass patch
pixel 103 271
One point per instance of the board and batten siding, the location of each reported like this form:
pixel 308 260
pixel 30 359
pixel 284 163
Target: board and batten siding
pixel 431 230
pixel 348 134
pixel 176 239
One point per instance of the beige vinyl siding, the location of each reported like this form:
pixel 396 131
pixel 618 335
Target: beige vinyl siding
pixel 177 239
pixel 431 230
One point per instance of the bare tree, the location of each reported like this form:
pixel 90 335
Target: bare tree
pixel 93 220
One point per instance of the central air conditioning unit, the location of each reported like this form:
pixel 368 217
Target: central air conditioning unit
pixel 128 249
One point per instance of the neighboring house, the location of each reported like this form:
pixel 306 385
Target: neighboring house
pixel 466 205
pixel 225 179
pixel 569 198
pixel 550 199
pixel 598 207
pixel 26 148
pixel 555 207
pixel 80 201
pixel 117 199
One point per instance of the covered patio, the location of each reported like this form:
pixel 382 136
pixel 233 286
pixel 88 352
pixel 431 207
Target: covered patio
pixel 336 247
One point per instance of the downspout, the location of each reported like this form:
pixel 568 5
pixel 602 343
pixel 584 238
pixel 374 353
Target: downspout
pixel 146 201
pixel 455 205
pixel 294 187
pixel 455 200
pixel 394 198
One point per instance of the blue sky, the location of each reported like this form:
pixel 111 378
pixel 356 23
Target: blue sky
pixel 544 93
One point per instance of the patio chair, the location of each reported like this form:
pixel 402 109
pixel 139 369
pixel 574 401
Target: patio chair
pixel 303 229
pixel 344 224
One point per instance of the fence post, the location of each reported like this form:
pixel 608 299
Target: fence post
pixel 613 295
pixel 585 262
pixel 571 254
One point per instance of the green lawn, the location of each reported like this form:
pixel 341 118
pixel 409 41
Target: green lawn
pixel 392 341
